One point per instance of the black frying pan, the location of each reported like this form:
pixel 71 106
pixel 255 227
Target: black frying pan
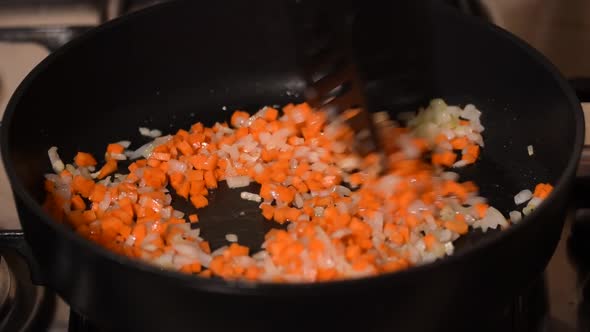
pixel 174 64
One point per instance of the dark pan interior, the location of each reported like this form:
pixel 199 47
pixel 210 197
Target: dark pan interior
pixel 184 63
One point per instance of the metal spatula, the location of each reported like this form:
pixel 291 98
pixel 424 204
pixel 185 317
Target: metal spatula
pixel 346 46
pixel 325 53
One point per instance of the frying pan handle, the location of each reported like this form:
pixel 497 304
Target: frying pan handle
pixel 13 242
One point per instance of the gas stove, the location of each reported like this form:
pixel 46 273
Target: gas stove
pixel 555 301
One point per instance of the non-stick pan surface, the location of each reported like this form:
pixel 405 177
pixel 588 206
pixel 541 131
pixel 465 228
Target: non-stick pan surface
pixel 172 65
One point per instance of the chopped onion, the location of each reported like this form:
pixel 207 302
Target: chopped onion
pixel 342 190
pixel 150 133
pixel 124 144
pixel 515 216
pixel 341 233
pixel 250 196
pixel 117 156
pixel 219 251
pixel 231 237
pixel 450 176
pixel 238 181
pixel 493 219
pixel 523 196
pixel 470 113
pixel 449 248
pixel 144 131
pixel 460 163
pixel 175 166
pixel 531 206
pixel 56 163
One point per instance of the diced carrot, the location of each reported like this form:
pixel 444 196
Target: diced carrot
pixel 199 201
pixel 252 273
pixel 238 117
pixel 267 211
pixel 429 241
pixel 108 168
pixel 82 185
pixel 49 186
pixel 195 175
pixel 471 153
pixel 98 192
pixel 205 274
pixel 299 181
pixel 542 190
pixel 204 245
pixel 78 203
pixel 160 156
pixel 285 194
pixel 280 214
pixel 459 143
pixel 176 179
pixel 210 180
pixel 393 266
pixel 183 189
pixel 457 226
pixel 440 138
pixel 197 188
pixel 446 158
pixel 184 148
pixel 481 209
pixel 115 148
pixel 198 161
pixel 84 159
pixel 154 177
pixel 236 250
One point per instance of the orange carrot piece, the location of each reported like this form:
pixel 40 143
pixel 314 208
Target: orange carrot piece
pixel 267 211
pixel 183 189
pixel 238 117
pixel 210 180
pixel 285 194
pixel 78 203
pixel 115 148
pixel 184 148
pixel 542 190
pixel 83 159
pixel 429 241
pixel 481 209
pixel 98 192
pixel 459 143
pixel 82 185
pixel 457 226
pixel 108 168
pixel 236 250
pixel 154 177
pixel 162 156
pixel 471 153
pixel 199 201
pixel 446 158
pixel 176 179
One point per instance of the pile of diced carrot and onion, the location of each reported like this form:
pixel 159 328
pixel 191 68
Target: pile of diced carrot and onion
pixel 346 217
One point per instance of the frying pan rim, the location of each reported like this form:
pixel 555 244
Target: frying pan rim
pixel 279 289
